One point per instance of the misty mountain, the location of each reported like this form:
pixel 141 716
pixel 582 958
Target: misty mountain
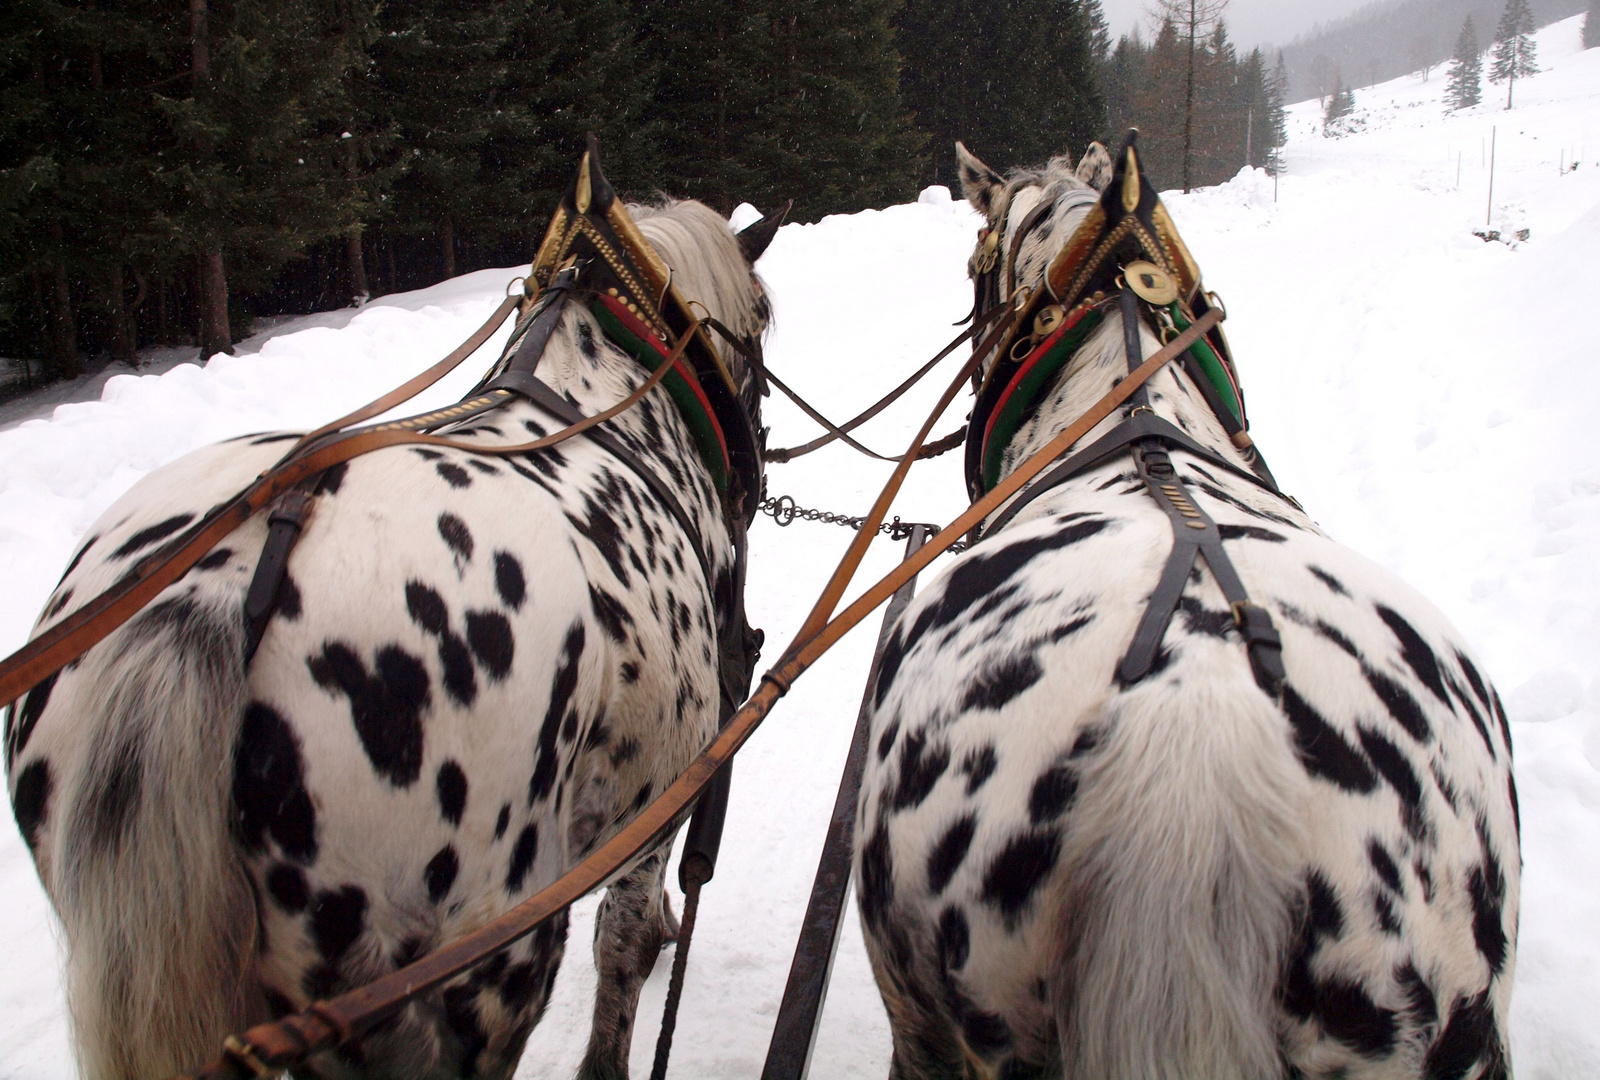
pixel 1391 38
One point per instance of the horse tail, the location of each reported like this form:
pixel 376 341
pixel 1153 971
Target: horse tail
pixel 1182 872
pixel 159 914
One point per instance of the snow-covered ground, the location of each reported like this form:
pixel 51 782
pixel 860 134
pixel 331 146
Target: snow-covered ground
pixel 1431 398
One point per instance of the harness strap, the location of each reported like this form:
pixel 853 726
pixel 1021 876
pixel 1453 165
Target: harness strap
pixel 1195 534
pixel 841 431
pixel 284 525
pixel 1141 425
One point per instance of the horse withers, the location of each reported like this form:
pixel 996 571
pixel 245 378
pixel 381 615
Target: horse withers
pixel 477 669
pixel 1270 832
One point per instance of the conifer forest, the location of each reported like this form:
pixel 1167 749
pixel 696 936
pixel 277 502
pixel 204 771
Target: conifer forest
pixel 170 171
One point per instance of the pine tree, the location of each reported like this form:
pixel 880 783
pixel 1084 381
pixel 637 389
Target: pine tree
pixel 1340 105
pixel 1124 76
pixel 1094 17
pixel 1013 79
pixel 1464 87
pixel 569 68
pixel 1591 25
pixel 435 63
pixel 251 182
pixel 1514 51
pixel 1278 114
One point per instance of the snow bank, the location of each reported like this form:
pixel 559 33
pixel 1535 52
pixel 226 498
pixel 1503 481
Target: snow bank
pixel 1430 398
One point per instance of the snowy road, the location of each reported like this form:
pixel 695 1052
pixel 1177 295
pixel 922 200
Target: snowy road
pixel 1432 400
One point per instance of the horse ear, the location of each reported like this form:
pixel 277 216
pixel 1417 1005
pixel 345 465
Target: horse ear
pixel 755 237
pixel 1096 168
pixel 979 183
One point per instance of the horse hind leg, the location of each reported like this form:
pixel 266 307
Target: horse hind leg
pixel 634 924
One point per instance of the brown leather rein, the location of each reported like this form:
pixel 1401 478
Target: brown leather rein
pixel 327 446
pixel 267 1049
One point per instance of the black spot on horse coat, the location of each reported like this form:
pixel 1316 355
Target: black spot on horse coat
pixel 269 795
pixel 386 704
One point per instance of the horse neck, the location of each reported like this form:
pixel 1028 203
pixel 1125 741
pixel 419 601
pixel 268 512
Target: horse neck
pixel 1090 375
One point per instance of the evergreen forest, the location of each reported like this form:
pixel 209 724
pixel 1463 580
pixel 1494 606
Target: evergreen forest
pixel 172 170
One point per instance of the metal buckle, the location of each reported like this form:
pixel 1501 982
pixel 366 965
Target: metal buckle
pixel 245 1054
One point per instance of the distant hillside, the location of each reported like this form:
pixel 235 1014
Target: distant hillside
pixel 1391 38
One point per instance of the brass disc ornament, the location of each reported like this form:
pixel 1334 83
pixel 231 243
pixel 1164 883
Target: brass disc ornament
pixel 1150 283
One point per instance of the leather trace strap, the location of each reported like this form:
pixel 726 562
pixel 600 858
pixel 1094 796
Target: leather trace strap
pixel 293 1039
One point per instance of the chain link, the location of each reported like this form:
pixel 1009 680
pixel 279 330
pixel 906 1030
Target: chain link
pixel 785 511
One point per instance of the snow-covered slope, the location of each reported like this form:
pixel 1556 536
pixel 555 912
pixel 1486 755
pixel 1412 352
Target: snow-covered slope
pixel 1428 396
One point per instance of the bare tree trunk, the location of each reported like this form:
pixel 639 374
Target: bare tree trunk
pixel 215 334
pixel 123 335
pixel 163 329
pixel 199 45
pixel 63 322
pixel 447 241
pixel 1188 98
pixel 360 293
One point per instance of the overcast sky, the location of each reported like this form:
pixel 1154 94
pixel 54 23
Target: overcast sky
pixel 1250 22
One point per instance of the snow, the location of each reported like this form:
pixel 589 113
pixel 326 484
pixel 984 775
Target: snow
pixel 1428 396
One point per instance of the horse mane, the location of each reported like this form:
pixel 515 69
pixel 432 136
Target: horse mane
pixel 707 266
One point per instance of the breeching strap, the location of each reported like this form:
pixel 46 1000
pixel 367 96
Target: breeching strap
pixel 272 1047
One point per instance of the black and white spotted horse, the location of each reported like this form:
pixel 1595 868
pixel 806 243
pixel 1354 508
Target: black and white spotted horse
pixel 1063 873
pixel 477 670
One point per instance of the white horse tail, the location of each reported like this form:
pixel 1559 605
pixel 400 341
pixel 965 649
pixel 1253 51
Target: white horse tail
pixel 1182 872
pixel 159 916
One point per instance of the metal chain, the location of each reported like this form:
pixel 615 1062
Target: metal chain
pixel 784 510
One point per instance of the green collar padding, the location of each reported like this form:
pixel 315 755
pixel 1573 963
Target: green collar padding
pixel 683 395
pixel 1019 405
pixel 1211 365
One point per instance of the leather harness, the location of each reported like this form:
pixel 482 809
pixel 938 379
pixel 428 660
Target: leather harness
pixel 1126 225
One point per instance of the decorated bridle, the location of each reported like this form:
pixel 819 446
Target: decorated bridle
pixel 1127 239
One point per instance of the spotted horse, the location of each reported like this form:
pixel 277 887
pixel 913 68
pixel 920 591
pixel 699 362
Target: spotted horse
pixel 1165 783
pixel 476 669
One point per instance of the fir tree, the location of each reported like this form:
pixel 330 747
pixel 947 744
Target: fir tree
pixel 1591 25
pixel 1014 79
pixel 1514 51
pixel 1464 87
pixel 1340 105
pixel 1094 17
pixel 1278 115
pixel 435 64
